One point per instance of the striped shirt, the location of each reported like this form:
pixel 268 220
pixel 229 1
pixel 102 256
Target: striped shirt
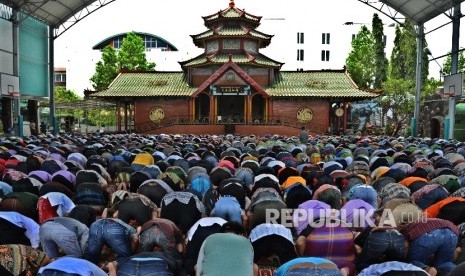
pixel 414 230
pixel 335 243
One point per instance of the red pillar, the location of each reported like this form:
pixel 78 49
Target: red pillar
pixel 118 116
pixel 345 116
pixel 212 110
pixel 126 117
pixel 270 108
pixel 248 117
pixel 189 109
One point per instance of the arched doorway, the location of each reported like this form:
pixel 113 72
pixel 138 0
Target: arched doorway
pixel 231 109
pixel 202 108
pixel 258 108
pixel 435 128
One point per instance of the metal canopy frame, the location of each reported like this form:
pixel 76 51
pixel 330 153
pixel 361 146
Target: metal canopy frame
pixel 63 14
pixel 58 14
pixel 420 11
pixel 89 104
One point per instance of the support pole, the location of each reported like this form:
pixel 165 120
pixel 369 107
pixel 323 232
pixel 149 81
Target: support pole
pixel 416 112
pixel 51 60
pixel 17 119
pixel 454 67
pixel 345 117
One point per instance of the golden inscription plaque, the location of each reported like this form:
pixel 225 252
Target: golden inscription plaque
pixel 304 115
pixel 157 114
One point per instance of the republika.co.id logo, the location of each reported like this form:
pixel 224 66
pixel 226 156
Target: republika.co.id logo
pixel 359 218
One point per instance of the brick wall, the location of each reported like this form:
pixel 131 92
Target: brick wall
pixel 261 80
pixel 280 108
pixel 289 109
pixel 175 108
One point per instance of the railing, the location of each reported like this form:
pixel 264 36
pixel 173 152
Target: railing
pixel 313 126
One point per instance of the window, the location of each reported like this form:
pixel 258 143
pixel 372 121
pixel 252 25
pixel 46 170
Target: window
pixel 384 40
pixel 231 44
pixel 150 42
pixel 325 38
pixel 300 55
pixel 324 55
pixel 60 77
pixel 117 42
pixel 300 38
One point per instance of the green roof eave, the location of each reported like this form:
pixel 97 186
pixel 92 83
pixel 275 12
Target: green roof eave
pixel 231 32
pixel 259 59
pixel 148 84
pixel 322 84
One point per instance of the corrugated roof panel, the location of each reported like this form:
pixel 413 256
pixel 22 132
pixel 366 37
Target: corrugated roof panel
pixel 148 85
pixel 321 84
pixel 317 84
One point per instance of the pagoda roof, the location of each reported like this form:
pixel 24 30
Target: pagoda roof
pixel 322 84
pixel 232 13
pixel 221 71
pixel 148 84
pixel 240 58
pixel 311 84
pixel 231 31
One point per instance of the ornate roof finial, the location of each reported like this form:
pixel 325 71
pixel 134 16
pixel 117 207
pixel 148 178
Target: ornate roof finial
pixel 231 4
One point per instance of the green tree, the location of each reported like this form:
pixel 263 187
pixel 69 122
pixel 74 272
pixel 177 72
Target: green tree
pixel 399 89
pixel 398 98
pixel 131 56
pixel 381 62
pixel 361 60
pixel 408 46
pixel 403 63
pixel 106 69
pixel 63 95
pixel 447 66
pixel 430 87
pixel 397 57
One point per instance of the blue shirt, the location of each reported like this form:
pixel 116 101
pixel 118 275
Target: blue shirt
pixel 32 228
pixel 282 270
pixel 74 265
pixel 379 269
pixel 6 188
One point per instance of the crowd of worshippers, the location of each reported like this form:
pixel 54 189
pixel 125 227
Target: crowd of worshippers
pixel 128 204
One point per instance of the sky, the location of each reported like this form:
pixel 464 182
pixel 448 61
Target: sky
pixel 176 20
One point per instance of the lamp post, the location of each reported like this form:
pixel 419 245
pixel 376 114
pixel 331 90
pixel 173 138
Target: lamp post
pixel 441 70
pixel 358 23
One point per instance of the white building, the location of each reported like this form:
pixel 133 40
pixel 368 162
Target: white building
pixel 319 47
